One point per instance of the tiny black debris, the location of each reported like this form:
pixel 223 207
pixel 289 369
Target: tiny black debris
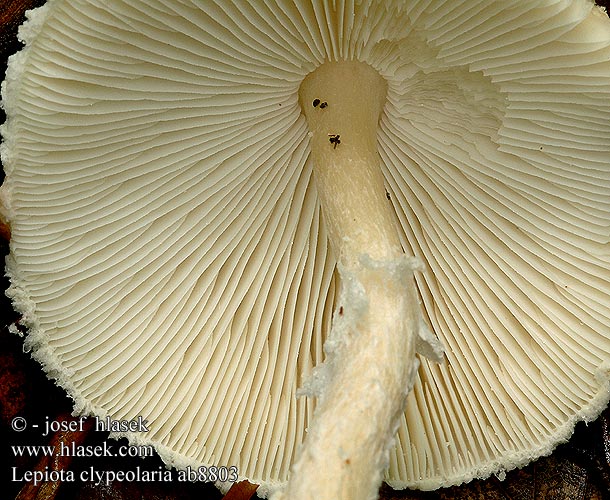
pixel 387 195
pixel 316 102
pixel 334 140
pixel 323 105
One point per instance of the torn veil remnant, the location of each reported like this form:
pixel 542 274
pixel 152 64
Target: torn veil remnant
pixel 180 241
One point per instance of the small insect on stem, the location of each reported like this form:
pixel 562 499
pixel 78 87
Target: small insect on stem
pixel 387 195
pixel 334 140
pixel 316 102
pixel 323 105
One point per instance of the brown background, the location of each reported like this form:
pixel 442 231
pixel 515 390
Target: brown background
pixel 577 470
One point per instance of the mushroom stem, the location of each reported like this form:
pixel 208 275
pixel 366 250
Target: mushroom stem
pixel 371 362
pixel 347 170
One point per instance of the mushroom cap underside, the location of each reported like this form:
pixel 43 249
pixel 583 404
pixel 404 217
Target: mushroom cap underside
pixel 169 256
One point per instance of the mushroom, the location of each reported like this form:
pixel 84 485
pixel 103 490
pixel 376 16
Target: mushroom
pixel 193 191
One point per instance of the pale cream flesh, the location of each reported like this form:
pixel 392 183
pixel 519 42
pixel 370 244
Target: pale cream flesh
pixel 371 363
